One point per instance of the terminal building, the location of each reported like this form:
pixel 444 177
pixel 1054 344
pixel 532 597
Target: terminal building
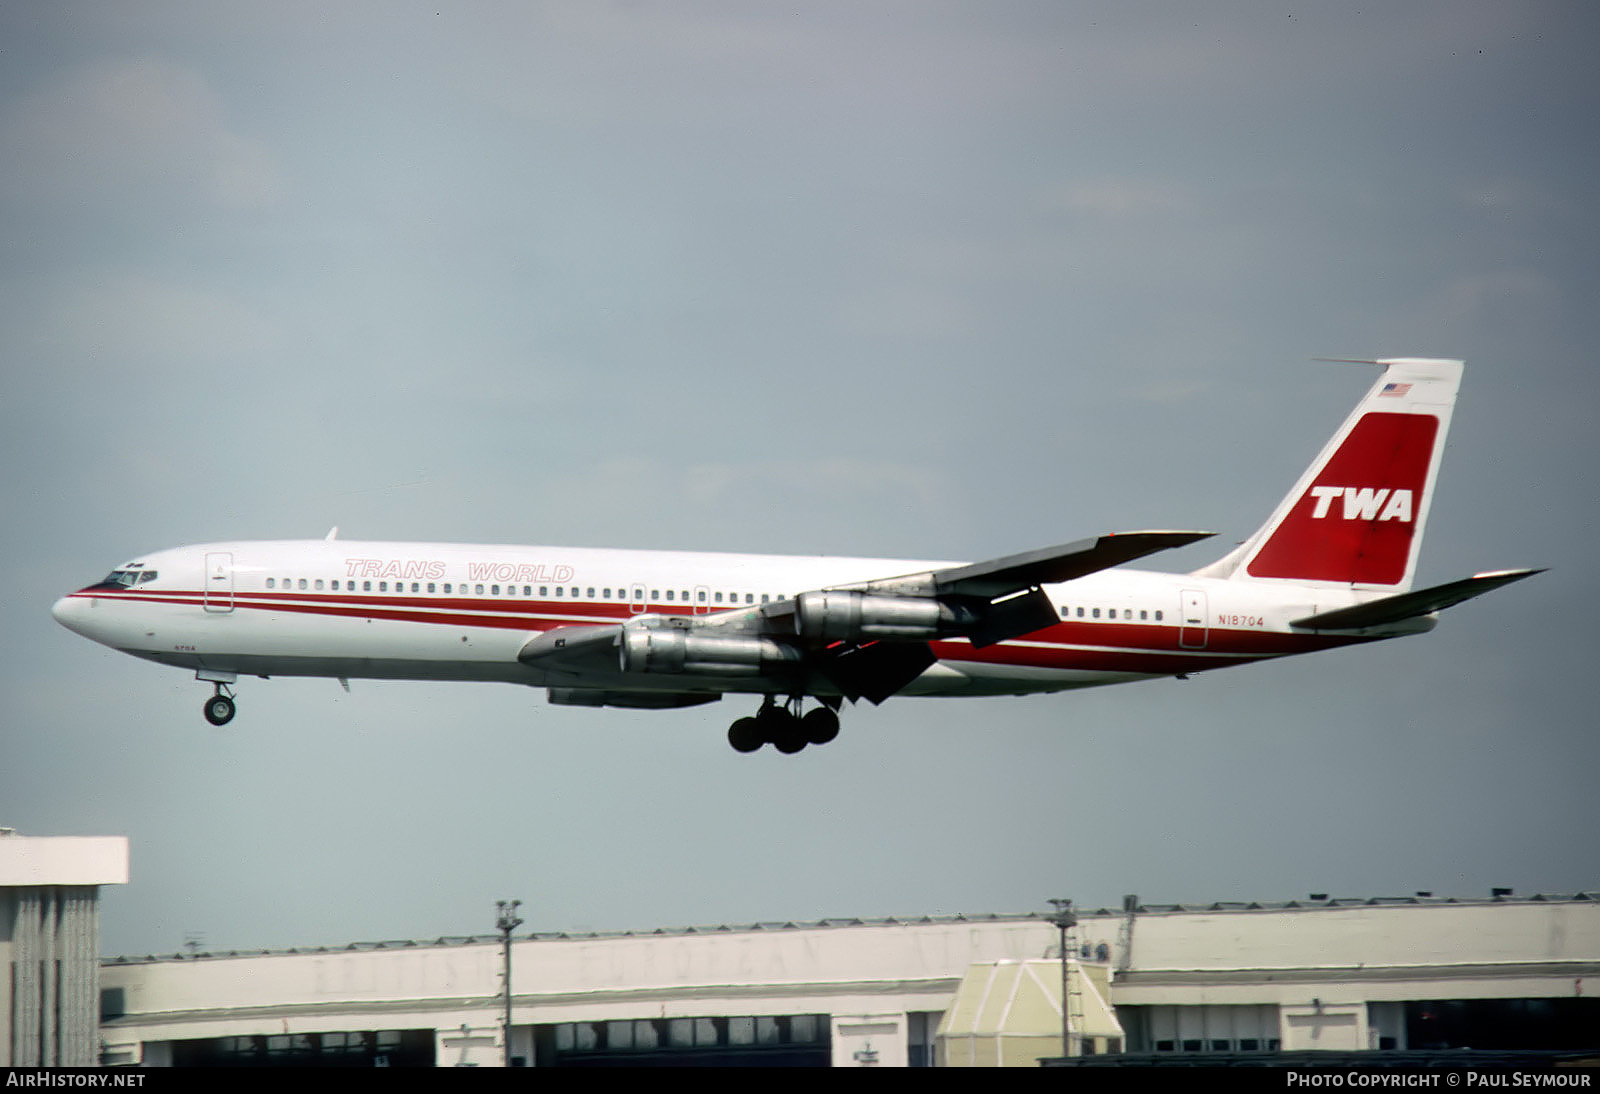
pixel 1142 981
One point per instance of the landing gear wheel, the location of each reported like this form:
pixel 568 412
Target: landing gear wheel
pixel 781 728
pixel 791 738
pixel 820 726
pixel 745 735
pixel 219 710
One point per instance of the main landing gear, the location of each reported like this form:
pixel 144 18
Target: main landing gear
pixel 220 707
pixel 784 727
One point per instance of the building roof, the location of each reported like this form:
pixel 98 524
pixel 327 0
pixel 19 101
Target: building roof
pixel 1043 918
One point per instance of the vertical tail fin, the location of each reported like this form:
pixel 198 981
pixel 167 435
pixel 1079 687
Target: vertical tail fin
pixel 1356 516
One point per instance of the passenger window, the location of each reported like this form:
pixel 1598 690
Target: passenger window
pixel 383 586
pixel 749 598
pixel 271 583
pixel 701 596
pixel 432 587
pixel 763 598
pixel 560 591
pixel 590 593
pixel 494 589
pixel 717 598
pixel 1143 614
pixel 1097 613
pixel 319 584
pixel 544 590
pixel 1065 611
pixel 366 586
pixel 1080 613
pixel 655 596
pixel 669 594
pixel 1158 616
pixel 302 583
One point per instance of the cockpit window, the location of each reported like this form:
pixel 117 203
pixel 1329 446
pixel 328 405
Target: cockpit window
pixel 128 578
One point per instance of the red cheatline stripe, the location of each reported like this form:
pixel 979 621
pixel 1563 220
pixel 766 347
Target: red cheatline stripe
pixel 1141 647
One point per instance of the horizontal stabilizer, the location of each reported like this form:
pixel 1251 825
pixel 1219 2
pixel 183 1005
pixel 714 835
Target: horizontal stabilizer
pixel 1392 609
pixel 1053 565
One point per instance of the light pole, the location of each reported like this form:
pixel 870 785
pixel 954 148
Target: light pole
pixel 1065 920
pixel 506 921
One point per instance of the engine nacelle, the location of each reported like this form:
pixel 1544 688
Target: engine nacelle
pixel 854 617
pixel 654 649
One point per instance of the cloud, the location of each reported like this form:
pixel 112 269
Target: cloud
pixel 116 131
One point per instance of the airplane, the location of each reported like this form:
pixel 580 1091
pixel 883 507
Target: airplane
pixel 1332 566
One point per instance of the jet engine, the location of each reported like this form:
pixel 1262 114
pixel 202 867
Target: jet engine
pixel 862 617
pixel 657 649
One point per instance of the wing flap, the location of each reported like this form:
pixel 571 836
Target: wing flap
pixel 1393 609
pixel 877 670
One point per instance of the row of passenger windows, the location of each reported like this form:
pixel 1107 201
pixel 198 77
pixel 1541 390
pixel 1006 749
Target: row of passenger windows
pixel 590 592
pixel 1109 613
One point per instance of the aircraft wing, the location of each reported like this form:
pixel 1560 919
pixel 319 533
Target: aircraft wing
pixel 1392 609
pixel 869 639
pixel 1046 566
pixel 1002 598
pixel 1054 565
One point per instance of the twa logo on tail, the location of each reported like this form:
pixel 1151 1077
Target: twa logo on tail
pixel 1378 473
pixel 1361 503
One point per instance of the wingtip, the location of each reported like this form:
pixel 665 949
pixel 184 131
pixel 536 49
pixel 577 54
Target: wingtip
pixel 1508 575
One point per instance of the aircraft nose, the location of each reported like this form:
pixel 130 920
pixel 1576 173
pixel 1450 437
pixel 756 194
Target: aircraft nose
pixel 70 612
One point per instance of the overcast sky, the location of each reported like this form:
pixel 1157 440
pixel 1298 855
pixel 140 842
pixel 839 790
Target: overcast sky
pixel 888 279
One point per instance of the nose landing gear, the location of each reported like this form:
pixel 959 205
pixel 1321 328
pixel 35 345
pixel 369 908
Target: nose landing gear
pixel 220 708
pixel 784 728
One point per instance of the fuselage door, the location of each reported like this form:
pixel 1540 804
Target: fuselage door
pixel 218 592
pixel 1192 636
pixel 636 599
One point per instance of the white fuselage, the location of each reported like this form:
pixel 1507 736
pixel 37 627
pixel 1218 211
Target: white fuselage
pixel 434 611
